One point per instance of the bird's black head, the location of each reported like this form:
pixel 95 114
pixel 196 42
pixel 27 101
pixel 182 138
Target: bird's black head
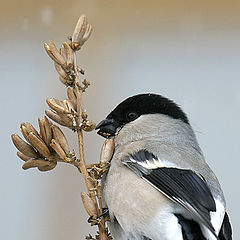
pixel 135 106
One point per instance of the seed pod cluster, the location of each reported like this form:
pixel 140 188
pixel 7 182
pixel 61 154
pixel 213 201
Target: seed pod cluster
pixel 63 60
pixel 62 112
pixel 81 33
pixel 44 148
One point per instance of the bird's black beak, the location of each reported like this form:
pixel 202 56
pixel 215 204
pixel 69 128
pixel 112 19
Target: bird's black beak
pixel 107 128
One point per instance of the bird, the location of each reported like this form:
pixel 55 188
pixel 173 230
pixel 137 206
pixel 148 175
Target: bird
pixel 159 186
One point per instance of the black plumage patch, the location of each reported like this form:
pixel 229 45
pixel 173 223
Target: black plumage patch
pixel 190 229
pixel 226 230
pixel 141 104
pixel 181 186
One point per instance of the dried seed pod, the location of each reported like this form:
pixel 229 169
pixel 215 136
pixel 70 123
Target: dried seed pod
pixel 107 150
pixel 89 126
pixel 65 81
pixel 87 33
pixel 62 72
pixel 79 30
pixel 69 54
pixel 58 119
pixel 58 149
pixel 39 144
pixel 49 52
pixel 68 105
pixel 59 136
pixel 72 97
pixel 23 157
pixel 30 128
pixel 25 131
pixel 35 163
pixel 48 130
pixel 23 147
pixel 57 56
pixel 42 129
pixel 53 103
pixel 51 166
pixel 89 205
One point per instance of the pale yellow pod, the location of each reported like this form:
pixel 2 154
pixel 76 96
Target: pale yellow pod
pixel 23 147
pixel 58 149
pixel 23 157
pixel 39 144
pixel 57 56
pixel 35 163
pixel 89 205
pixel 59 136
pixel 107 151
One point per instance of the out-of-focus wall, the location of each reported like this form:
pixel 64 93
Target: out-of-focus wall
pixel 186 50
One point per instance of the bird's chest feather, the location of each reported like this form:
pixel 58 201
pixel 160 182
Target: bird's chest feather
pixel 138 207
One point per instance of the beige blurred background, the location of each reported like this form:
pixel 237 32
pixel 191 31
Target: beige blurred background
pixel 186 50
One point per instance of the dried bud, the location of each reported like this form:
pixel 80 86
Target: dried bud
pixel 54 104
pixel 107 151
pixel 88 126
pixel 59 136
pixel 69 55
pixel 39 144
pixel 23 157
pixel 81 33
pixel 23 147
pixel 53 53
pixel 48 131
pixel 62 72
pixel 62 119
pixel 89 205
pixel 72 97
pixel 40 163
pixel 58 149
pixel 51 166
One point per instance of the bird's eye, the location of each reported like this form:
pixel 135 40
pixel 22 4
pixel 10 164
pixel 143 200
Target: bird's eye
pixel 132 116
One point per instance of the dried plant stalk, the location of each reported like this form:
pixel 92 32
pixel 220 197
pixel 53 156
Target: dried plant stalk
pixel 49 146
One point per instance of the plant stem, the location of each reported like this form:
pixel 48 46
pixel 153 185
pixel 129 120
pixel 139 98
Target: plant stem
pixel 82 163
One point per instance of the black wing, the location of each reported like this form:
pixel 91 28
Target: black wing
pixel 181 186
pixel 226 230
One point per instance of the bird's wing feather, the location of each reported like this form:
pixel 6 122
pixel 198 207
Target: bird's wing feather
pixel 184 187
pixel 226 230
